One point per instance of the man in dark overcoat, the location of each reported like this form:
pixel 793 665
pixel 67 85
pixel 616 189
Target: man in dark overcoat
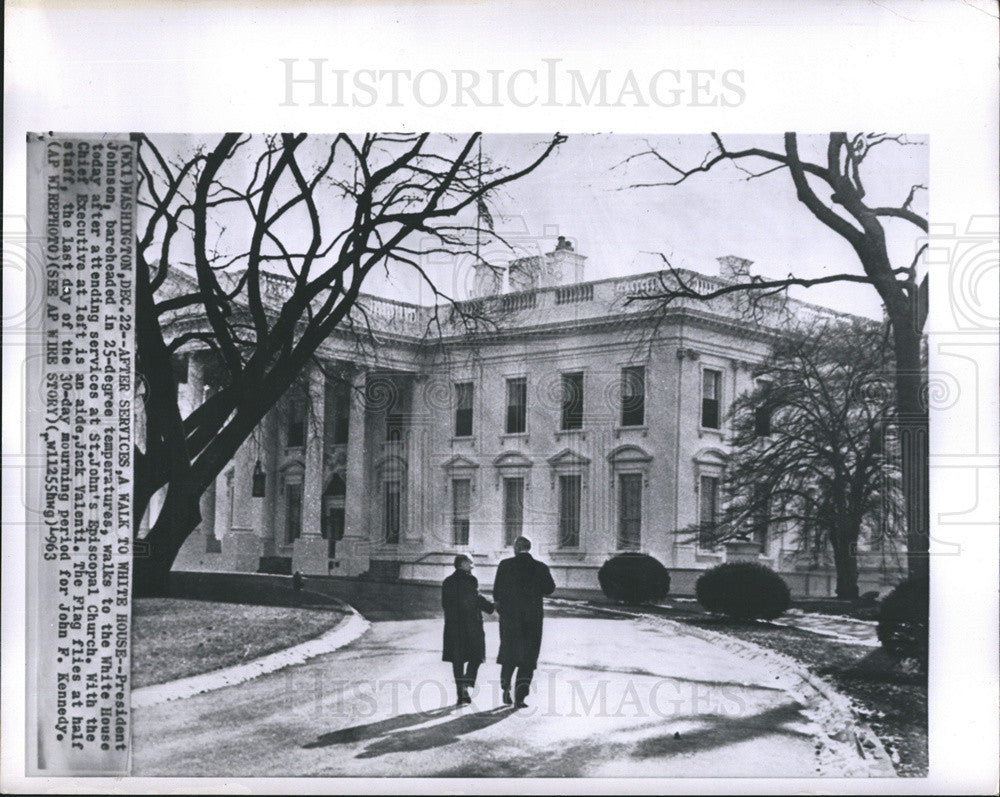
pixel 464 639
pixel 520 584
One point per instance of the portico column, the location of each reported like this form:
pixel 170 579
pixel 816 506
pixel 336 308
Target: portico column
pixel 309 551
pixel 356 545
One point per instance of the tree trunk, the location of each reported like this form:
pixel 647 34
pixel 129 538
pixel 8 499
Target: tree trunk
pixel 845 560
pixel 154 554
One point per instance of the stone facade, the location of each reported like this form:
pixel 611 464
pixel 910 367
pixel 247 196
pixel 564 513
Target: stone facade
pixel 579 421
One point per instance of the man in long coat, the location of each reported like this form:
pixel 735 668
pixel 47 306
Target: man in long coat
pixel 520 584
pixel 464 639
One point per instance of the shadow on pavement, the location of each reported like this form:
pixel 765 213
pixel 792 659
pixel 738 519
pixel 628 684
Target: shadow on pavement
pixel 723 731
pixel 720 731
pixel 401 734
pixel 360 733
pixel 435 736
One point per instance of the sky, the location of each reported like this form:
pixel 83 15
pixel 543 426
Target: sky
pixel 582 192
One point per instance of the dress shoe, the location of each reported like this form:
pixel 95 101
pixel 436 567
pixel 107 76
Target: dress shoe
pixel 507 700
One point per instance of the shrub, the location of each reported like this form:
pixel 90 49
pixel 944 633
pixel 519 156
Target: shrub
pixel 743 591
pixel 634 578
pixel 903 620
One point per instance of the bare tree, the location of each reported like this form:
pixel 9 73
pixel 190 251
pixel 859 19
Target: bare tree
pixel 323 214
pixel 810 445
pixel 832 189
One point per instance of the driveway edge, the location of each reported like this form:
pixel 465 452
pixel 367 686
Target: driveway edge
pixel 846 735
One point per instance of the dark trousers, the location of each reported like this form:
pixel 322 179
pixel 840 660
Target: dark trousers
pixel 465 673
pixel 522 683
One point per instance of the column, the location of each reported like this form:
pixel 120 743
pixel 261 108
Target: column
pixel 356 546
pixel 264 506
pixel 309 551
pixel 241 546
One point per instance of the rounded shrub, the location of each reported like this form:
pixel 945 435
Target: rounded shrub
pixel 743 591
pixel 634 578
pixel 903 620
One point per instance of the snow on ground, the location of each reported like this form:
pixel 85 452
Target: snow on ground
pixel 843 629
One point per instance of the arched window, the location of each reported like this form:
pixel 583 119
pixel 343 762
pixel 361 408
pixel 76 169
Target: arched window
pixel 460 487
pixel 629 477
pixel 710 467
pixel 333 519
pixel 569 472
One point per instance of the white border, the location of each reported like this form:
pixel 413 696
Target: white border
pixel 906 65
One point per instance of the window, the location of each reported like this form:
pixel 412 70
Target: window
pixel 633 395
pixel 629 511
pixel 212 543
pixel 762 412
pixel 711 391
pixel 461 501
pixel 572 400
pixel 296 431
pixel 760 516
pixel 392 505
pixel 334 525
pixel 333 520
pixel 341 413
pixel 293 511
pixel 180 366
pixel 708 511
pixel 230 498
pixel 517 405
pixel 569 510
pixel 513 508
pixel 463 409
pixel 395 423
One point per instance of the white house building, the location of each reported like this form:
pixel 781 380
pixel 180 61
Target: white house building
pixel 586 422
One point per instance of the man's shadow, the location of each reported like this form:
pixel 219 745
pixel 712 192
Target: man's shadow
pixel 393 735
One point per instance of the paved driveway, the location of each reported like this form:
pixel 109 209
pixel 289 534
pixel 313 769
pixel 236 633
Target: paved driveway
pixel 614 696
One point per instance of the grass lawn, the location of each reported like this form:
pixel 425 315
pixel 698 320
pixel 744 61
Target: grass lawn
pixel 174 638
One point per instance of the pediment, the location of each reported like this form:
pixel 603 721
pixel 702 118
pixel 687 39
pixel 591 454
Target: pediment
pixel 458 462
pixel 391 464
pixel 512 459
pixel 567 458
pixel 629 454
pixel 711 456
pixel 291 462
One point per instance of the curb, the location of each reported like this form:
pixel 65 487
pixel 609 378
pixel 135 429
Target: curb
pixel 350 627
pixel 844 735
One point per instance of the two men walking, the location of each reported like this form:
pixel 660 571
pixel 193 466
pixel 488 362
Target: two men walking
pixel 521 583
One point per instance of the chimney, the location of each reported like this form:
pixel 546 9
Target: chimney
pixel 561 266
pixel 566 266
pixel 525 273
pixel 487 280
pixel 734 268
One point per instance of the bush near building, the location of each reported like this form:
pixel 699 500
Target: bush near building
pixel 743 591
pixel 634 578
